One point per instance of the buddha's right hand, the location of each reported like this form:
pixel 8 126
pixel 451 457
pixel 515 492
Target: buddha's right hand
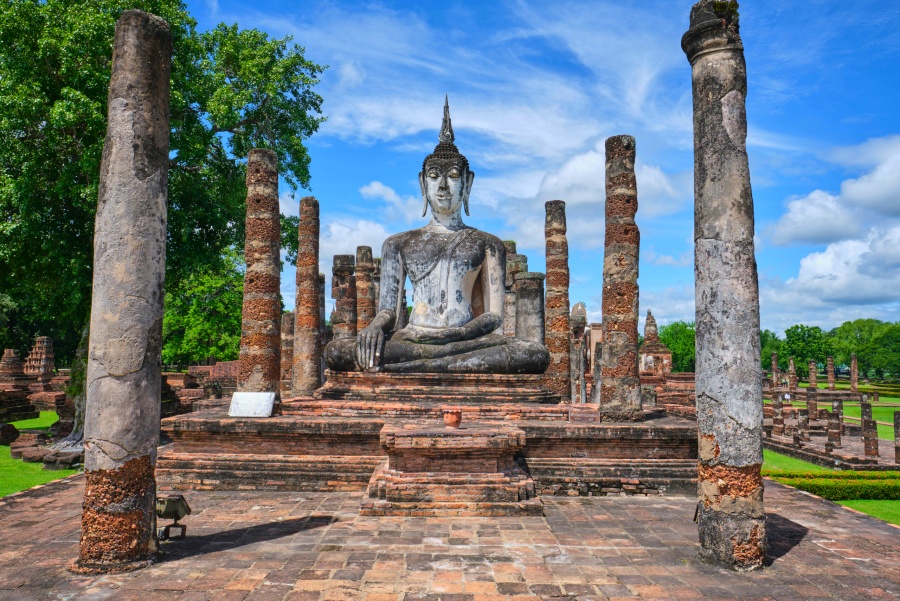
pixel 369 346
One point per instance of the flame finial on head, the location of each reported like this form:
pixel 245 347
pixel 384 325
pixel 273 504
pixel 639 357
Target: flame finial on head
pixel 446 134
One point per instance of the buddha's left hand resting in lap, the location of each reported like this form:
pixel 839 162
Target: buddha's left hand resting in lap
pixel 457 274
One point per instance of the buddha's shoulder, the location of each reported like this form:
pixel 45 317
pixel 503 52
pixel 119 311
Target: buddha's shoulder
pixel 425 235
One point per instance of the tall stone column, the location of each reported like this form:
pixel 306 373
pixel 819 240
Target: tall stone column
pixel 774 371
pixel 530 306
pixel 515 264
pixel 121 429
pixel 896 436
pixel 829 368
pixel 323 328
pixel 854 373
pixel 731 517
pixel 343 291
pixel 287 352
pixel 812 391
pixel 376 283
pixel 556 312
pixel 308 321
pixel 577 350
pixel 260 358
pixel 620 386
pixel 366 302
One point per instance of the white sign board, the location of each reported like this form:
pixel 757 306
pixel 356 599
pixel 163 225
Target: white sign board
pixel 252 404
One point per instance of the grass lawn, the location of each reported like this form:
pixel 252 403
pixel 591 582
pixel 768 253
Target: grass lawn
pixel 879 414
pixel 889 511
pixel 773 461
pixel 47 419
pixel 16 475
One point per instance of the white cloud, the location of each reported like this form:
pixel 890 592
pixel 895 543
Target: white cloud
pixel 400 208
pixel 818 218
pixel 879 189
pixel 342 236
pixel 685 259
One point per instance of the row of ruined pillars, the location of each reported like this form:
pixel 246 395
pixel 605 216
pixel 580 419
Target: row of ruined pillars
pixel 790 378
pixel 123 378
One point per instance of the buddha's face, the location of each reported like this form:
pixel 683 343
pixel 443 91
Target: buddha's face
pixel 445 185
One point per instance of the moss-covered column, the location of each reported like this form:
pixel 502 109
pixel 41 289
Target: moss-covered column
pixel 260 359
pixel 732 521
pixel 123 368
pixel 556 301
pixel 308 321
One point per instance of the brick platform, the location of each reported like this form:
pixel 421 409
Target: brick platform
pixel 432 470
pixel 493 389
pixel 317 547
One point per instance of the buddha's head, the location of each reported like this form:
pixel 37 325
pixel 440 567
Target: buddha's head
pixel 445 179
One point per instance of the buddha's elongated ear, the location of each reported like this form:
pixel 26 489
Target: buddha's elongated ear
pixel 424 196
pixel 470 179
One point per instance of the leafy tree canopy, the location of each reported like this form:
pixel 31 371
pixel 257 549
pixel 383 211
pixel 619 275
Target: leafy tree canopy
pixel 805 344
pixel 680 337
pixel 769 343
pixel 858 337
pixel 231 90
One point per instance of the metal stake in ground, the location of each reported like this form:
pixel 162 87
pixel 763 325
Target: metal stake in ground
pixel 732 522
pixel 118 519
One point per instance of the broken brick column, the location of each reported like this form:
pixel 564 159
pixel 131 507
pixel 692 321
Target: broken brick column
pixel 837 406
pixel 896 436
pixel 287 352
pixel 530 306
pixel 803 424
pixel 854 373
pixel 556 302
pixel 731 517
pixel 343 291
pixel 870 437
pixel 792 374
pixel 323 328
pixel 777 416
pixel 308 322
pixel 834 429
pixel 620 386
pixel 366 303
pixel 376 282
pixel 121 429
pixel 774 371
pixel 259 369
pixel 812 392
pixel 829 368
pixel 515 264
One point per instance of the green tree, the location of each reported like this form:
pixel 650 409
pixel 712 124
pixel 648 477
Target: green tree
pixel 203 315
pixel 770 343
pixel 680 337
pixel 857 336
pixel 885 350
pixel 6 308
pixel 805 344
pixel 231 90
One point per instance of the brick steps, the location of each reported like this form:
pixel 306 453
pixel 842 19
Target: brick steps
pixel 601 477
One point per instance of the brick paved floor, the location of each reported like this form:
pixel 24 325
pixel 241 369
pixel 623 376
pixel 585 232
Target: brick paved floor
pixel 316 546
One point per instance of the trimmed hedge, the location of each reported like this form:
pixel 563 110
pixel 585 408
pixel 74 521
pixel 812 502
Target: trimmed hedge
pixel 846 490
pixel 833 475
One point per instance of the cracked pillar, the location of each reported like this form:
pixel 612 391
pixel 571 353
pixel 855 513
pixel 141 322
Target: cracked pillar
pixel 620 386
pixel 530 306
pixel 308 322
pixel 376 282
pixel 792 375
pixel 343 291
pixel 829 368
pixel 803 424
pixel 854 373
pixel 578 359
pixel 870 437
pixel 260 359
pixel 833 431
pixel 121 430
pixel 556 303
pixel 515 264
pixel 731 517
pixel 366 301
pixel 323 328
pixel 812 392
pixel 778 416
pixel 865 408
pixel 837 406
pixel 896 436
pixel 287 352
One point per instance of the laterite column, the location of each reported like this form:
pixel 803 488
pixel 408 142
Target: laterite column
pixel 287 352
pixel 556 312
pixel 343 291
pixel 731 517
pixel 121 429
pixel 620 387
pixel 308 322
pixel 260 359
pixel 854 373
pixel 829 367
pixel 366 302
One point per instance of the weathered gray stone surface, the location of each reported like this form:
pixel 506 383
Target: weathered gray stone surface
pixel 578 352
pixel 123 365
pixel 343 291
pixel 731 517
pixel 458 277
pixel 529 288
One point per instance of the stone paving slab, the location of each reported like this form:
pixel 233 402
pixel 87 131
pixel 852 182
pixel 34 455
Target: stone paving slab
pixel 316 547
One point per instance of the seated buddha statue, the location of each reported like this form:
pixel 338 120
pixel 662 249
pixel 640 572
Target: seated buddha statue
pixel 457 274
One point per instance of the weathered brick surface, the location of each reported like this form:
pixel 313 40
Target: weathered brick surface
pixel 556 312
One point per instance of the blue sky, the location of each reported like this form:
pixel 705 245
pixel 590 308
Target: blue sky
pixel 536 87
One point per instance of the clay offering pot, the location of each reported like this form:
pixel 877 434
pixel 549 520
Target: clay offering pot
pixel 452 417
